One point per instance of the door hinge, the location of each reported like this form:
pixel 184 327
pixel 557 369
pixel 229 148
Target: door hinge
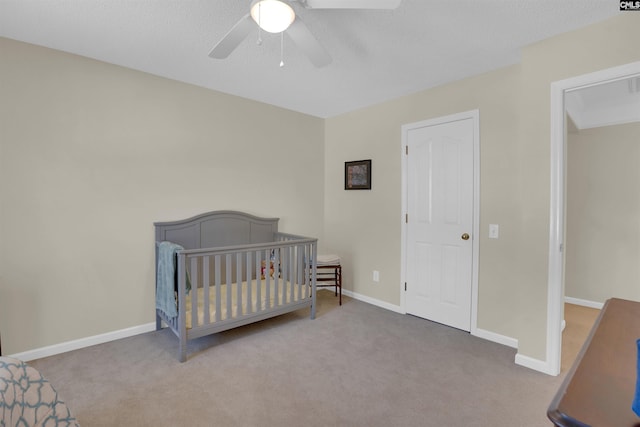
pixel 406 150
pixel 406 218
pixel 405 286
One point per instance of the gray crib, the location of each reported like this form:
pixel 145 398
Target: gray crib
pixel 235 269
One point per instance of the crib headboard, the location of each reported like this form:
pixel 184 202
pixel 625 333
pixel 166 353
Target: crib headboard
pixel 217 229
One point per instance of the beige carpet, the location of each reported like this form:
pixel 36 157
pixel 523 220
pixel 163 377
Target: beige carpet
pixel 355 365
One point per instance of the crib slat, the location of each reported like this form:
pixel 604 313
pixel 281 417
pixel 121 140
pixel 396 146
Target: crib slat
pixel 249 306
pixel 205 289
pixel 314 258
pixel 303 271
pixel 239 284
pixel 216 267
pixel 228 285
pixel 276 278
pixel 291 264
pixel 284 267
pixel 194 292
pixel 307 270
pixel 267 276
pixel 258 281
pixel 294 274
pixel 300 262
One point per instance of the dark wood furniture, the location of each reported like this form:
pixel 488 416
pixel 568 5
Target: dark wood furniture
pixel 600 387
pixel 330 273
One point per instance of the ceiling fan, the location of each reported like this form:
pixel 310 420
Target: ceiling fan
pixel 277 16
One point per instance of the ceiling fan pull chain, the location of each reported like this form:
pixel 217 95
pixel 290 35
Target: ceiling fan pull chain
pixel 282 49
pixel 259 41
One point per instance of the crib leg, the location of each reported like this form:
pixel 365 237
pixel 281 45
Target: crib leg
pixel 158 322
pixel 183 350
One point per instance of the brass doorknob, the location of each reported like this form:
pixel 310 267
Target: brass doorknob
pixel 465 236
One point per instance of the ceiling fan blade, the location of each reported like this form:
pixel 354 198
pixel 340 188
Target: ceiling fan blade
pixel 306 42
pixel 233 38
pixel 352 4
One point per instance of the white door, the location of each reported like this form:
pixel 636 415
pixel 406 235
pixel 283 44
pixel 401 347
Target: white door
pixel 439 253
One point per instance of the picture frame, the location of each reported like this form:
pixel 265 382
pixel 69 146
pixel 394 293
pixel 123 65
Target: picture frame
pixel 357 175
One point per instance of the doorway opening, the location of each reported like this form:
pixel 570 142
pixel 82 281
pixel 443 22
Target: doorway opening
pixel 557 232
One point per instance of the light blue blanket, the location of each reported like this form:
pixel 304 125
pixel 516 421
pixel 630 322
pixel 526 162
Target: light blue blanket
pixel 165 278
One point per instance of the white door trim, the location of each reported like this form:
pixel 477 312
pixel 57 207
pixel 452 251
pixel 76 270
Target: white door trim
pixel 475 115
pixel 555 292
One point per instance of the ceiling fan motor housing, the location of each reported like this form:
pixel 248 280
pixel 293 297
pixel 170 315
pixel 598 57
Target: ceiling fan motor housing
pixel 273 16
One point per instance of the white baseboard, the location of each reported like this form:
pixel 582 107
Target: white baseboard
pixel 373 301
pixel 526 361
pixel 64 347
pixel 584 302
pixel 535 364
pixel 52 350
pixel 480 333
pixel 497 338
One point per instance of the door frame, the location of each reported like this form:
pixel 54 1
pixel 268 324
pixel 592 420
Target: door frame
pixel 475 232
pixel 555 287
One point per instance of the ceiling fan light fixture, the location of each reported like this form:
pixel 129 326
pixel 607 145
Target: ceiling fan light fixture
pixel 273 16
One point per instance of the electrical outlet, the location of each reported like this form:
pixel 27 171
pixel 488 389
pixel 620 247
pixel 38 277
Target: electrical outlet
pixel 376 276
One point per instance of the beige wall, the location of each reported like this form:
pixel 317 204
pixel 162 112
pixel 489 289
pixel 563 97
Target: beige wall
pixel 90 151
pixel 364 227
pixel 603 213
pixel 92 154
pixel 593 48
pixel 514 106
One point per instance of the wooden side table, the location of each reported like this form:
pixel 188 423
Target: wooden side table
pixel 599 388
pixel 330 273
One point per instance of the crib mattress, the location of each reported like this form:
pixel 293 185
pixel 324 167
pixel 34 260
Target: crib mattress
pixel 279 293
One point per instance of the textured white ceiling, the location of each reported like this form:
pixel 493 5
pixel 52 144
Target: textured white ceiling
pixel 377 55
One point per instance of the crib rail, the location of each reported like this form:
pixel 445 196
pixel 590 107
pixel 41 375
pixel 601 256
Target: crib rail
pixel 246 283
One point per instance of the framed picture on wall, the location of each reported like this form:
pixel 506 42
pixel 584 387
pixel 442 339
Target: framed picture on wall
pixel 357 175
